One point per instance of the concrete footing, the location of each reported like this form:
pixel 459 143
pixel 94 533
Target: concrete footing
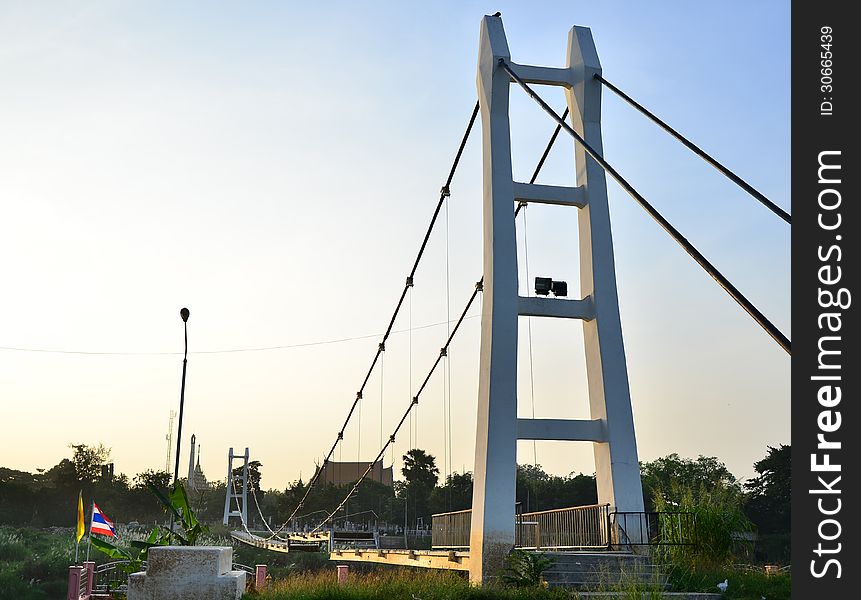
pixel 188 573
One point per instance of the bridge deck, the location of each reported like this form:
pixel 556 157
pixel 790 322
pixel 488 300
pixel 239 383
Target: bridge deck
pixel 296 541
pixel 428 559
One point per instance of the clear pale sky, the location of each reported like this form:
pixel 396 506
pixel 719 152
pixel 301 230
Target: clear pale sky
pixel 273 165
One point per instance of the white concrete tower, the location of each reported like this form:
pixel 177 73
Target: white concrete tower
pixel 611 426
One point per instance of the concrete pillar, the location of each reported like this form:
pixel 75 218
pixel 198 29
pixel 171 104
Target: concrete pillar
pixel 617 468
pixel 343 573
pixel 74 587
pixel 492 527
pixel 259 577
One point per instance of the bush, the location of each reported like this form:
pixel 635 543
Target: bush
pixel 525 569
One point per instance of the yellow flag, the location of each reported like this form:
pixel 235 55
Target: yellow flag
pixel 80 532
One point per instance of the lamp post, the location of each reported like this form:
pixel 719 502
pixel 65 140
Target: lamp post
pixel 184 314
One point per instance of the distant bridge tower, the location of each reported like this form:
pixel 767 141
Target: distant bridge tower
pixel 611 427
pixel 236 496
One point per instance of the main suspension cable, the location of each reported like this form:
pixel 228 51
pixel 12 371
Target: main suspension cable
pixel 736 295
pixel 414 402
pixel 699 152
pixel 445 192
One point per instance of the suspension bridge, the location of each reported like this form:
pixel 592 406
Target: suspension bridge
pixel 479 539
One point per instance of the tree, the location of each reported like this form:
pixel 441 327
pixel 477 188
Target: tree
pixel 456 494
pixel 769 494
pixel 159 479
pixel 420 469
pixel 421 474
pixel 537 490
pixel 664 475
pixel 88 461
pixel 769 503
pixel 253 475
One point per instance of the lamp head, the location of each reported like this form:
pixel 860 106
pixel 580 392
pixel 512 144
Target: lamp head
pixel 184 313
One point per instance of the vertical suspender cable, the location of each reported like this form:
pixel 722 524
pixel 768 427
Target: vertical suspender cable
pixel 529 335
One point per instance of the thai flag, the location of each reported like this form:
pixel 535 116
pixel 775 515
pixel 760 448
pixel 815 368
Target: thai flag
pixel 101 524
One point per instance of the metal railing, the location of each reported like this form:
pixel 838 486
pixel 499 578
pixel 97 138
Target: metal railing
pixel 85 585
pixel 561 528
pixel 451 529
pixel 576 527
pixel 113 576
pixel 652 529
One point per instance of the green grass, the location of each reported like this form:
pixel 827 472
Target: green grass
pixel 744 584
pixel 398 585
pixel 34 563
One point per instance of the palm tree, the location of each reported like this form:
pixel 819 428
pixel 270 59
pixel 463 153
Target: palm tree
pixel 421 474
pixel 420 469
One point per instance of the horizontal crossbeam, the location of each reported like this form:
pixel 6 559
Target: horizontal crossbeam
pixel 556 307
pixel 543 75
pixel 574 430
pixel 549 194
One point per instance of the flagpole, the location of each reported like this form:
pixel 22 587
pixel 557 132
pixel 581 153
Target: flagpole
pixel 90 534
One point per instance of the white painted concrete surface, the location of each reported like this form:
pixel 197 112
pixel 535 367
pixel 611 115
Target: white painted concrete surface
pixel 188 573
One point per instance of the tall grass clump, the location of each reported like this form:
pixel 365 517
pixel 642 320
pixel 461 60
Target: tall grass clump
pixel 718 533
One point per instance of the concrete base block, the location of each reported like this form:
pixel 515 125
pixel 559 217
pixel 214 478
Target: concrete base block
pixel 188 573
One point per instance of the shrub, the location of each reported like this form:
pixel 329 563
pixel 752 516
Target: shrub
pixel 525 569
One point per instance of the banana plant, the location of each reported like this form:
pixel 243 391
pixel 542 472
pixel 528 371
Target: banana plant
pixel 177 505
pixel 136 554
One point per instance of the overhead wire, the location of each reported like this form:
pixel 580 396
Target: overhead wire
pixel 224 351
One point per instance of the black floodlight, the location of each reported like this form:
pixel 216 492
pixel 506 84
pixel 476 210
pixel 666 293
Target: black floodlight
pixel 543 285
pixel 559 288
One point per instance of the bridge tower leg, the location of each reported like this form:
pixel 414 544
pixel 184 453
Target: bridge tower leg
pixel 236 500
pixel 611 426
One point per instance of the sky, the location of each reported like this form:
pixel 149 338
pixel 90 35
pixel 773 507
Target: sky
pixel 273 166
